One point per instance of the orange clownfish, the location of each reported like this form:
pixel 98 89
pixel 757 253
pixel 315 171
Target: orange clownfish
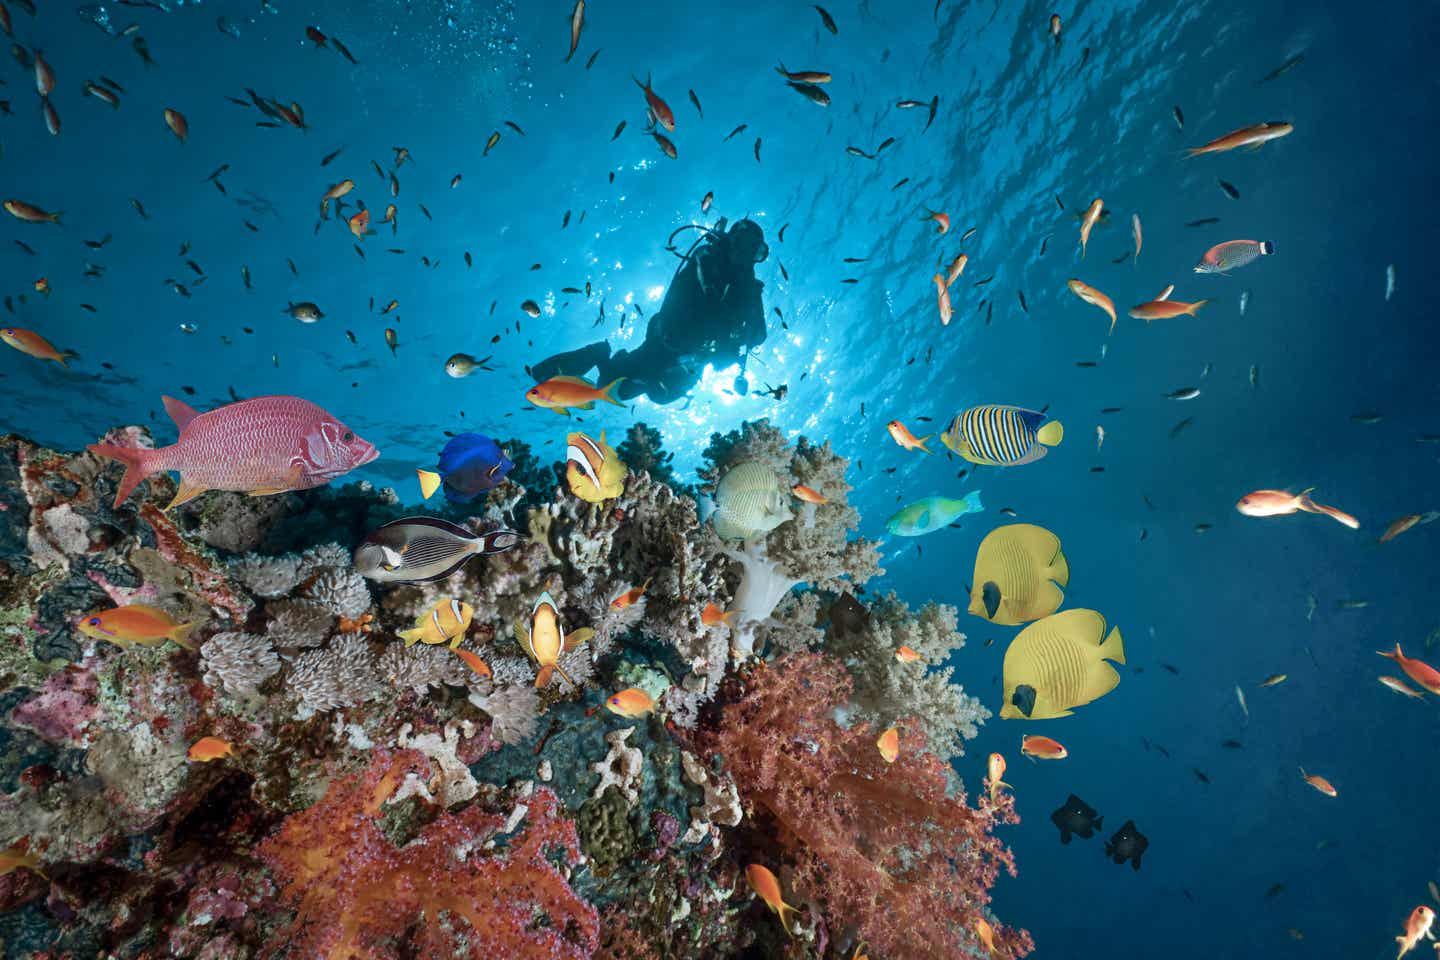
pixel 763 882
pixel 209 748
pixel 632 702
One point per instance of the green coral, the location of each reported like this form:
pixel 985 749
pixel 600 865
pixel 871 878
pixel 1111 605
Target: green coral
pixel 606 833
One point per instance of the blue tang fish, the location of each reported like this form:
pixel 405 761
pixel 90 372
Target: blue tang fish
pixel 932 513
pixel 470 464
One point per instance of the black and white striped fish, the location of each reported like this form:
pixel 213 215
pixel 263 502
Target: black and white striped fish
pixel 1001 436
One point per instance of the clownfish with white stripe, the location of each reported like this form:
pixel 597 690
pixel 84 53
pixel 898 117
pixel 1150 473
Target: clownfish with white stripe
pixel 593 470
pixel 447 621
pixel 997 436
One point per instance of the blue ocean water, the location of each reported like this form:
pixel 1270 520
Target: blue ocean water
pixel 1021 124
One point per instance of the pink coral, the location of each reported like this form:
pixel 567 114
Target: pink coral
pixel 882 847
pixel 359 896
pixel 62 709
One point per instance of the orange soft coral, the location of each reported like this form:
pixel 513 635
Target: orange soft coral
pixel 358 896
pixel 880 846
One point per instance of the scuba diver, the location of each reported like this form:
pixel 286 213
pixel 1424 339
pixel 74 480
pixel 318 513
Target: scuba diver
pixel 712 313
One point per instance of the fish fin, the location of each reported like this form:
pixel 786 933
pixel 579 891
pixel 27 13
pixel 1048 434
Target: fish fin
pixel 542 679
pixel 574 638
pixel 66 355
pixel 1195 307
pixel 726 529
pixel 180 411
pixel 429 482
pixel 729 618
pixel 185 494
pixel 923 520
pixel 922 441
pixel 409 636
pixel 972 502
pixel 139 463
pixel 181 634
pixel 1113 647
pixel 605 394
pixel 268 491
pixel 561 670
pixel 1059 568
pixel 1051 434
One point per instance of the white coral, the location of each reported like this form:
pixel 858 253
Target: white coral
pixel 338 676
pixel 422 667
pixel 238 663
pixel 267 576
pixel 455 783
pixel 721 804
pixel 343 591
pixel 513 711
pixel 622 767
pixel 762 586
pixel 298 623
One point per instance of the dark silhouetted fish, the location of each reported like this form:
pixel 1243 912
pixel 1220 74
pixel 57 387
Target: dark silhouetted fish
pixel 1128 843
pixel 1078 818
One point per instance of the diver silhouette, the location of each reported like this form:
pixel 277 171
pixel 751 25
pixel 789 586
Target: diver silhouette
pixel 712 313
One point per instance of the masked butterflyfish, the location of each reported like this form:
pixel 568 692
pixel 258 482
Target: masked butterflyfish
pixel 1058 663
pixel 750 501
pixel 593 470
pixel 997 436
pixel 1014 569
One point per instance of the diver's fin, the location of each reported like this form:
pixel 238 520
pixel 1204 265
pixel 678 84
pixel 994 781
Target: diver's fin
pixel 429 482
pixel 185 494
pixel 180 411
pixel 1051 434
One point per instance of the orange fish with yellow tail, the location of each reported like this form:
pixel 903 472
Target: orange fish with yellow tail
pixel 901 434
pixel 763 882
pixel 1088 221
pixel 30 342
pixel 562 393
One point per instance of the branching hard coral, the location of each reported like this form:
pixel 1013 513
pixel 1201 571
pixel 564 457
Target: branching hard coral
pixel 642 452
pixel 443 894
pixel 887 689
pixel 340 675
pixel 880 846
pixel 238 663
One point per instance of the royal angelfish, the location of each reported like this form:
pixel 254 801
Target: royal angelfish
pixel 545 640
pixel 1014 569
pixel 932 513
pixel 417 549
pixel 749 502
pixel 448 620
pixel 593 470
pixel 1059 663
pixel 996 436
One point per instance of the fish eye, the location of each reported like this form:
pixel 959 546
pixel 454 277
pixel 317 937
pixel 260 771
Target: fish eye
pixel 387 566
pixel 347 436
pixel 94 621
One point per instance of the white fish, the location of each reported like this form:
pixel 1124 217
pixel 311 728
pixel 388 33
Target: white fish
pixel 1254 375
pixel 1139 237
pixel 1206 371
pixel 1244 301
pixel 1389 282
pixel 1310 605
pixel 1240 695
pixel 1099 438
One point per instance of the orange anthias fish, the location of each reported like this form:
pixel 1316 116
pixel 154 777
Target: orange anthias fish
pixel 889 745
pixel 1417 927
pixel 1399 527
pixel 996 770
pixel 1418 670
pixel 1319 783
pixel 29 213
pixel 177 123
pixel 1042 748
pixel 942 299
pixel 659 109
pixel 713 615
pixel 562 393
pixel 1400 686
pixel 209 748
pixel 902 435
pixel 360 223
pixel 28 341
pixel 802 492
pixel 1278 503
pixel 335 193
pixel 942 222
pixel 19 856
pixel 136 624
pixel 1095 298
pixel 957 268
pixel 1088 221
pixel 803 76
pixel 630 703
pixel 1253 137
pixel 630 596
pixel 1165 309
pixel 763 882
pixel 473 661
pixel 983 930
pixel 905 655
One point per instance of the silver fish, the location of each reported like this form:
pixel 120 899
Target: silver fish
pixel 420 549
pixel 1389 282
pixel 1244 301
pixel 1184 393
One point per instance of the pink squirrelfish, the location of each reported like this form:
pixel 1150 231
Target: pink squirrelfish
pixel 1226 256
pixel 264 445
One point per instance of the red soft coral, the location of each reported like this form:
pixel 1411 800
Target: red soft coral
pixel 882 847
pixel 359 896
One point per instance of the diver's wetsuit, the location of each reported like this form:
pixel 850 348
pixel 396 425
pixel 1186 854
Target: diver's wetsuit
pixel 714 321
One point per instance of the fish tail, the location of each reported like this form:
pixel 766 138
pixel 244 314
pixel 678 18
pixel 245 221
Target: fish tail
pixel 972 502
pixel 66 355
pixel 605 393
pixel 55 217
pixel 1397 656
pixel 788 917
pixel 1113 647
pixel 1266 248
pixel 542 679
pixel 429 482
pixel 181 634
pixel 922 441
pixel 1334 513
pixel 139 464
pixel 730 617
pixel 1195 307
pixel 1051 434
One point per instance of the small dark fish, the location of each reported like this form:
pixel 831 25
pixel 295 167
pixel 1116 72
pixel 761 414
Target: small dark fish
pixel 1097 469
pixel 1058 202
pixel 1086 363
pixel 828 20
pixel 981 283
pixel 757 149
pixel 887 142
pixel 1275 890
pixel 1179 427
pixel 217 171
pixel 1021 295
pixel 139 208
pixel 1171 669
pixel 1076 818
pixel 783 272
pixel 616 135
pixel 1122 258
pixel 1179 116
pixel 1144 533
pixel 1200 775
pixel 112 84
pixel 344 50
pixel 1111 409
pixel 565 221
pixel 1009 511
pixel 1203 527
pixel 143 49
pixel 325 160
pixel 1203 222
pixel 780 234
pixel 425 210
pixel 26 247
pixel 195 267
pixel 1231 744
pixel 1084 59
pixel 696 100
pixel 857 152
pixel 1281 70
pixel 293 269
pixel 900 184
pixel 1183 393
pixel 1128 843
pixel 1369 416
pixel 350 335
pixel 969 233
pixel 514 126
pixel 862 260
pixel 1044 243
pixel 737 130
pixel 591 62
pixel 250 226
pixel 1229 189
pixel 88 307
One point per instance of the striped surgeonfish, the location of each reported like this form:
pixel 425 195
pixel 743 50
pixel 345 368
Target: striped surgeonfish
pixel 997 436
pixel 592 469
pixel 447 620
pixel 418 549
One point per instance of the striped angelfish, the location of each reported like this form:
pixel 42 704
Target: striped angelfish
pixel 1000 436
